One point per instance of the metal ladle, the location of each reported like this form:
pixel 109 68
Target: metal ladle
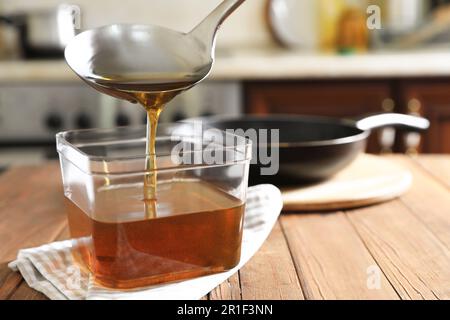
pixel 135 52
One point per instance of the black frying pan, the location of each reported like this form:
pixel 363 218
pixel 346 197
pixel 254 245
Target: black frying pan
pixel 315 148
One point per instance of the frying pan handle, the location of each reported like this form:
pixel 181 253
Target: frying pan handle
pixel 398 120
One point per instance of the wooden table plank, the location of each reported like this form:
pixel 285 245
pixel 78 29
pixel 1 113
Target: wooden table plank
pixel 271 273
pixel 64 234
pixel 331 260
pixel 328 254
pixel 416 263
pixel 32 214
pixel 229 290
pixel 24 292
pixel 429 200
pixel 436 165
pixel 9 281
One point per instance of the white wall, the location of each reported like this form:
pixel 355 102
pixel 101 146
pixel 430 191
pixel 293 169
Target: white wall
pixel 246 28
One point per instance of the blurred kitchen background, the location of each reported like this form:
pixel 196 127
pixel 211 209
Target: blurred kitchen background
pixel 315 57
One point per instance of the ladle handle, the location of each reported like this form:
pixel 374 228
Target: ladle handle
pixel 206 30
pixel 411 123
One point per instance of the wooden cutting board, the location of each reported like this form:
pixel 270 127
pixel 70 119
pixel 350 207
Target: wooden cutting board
pixel 368 180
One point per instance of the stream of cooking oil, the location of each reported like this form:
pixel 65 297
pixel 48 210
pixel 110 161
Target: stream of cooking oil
pixel 152 92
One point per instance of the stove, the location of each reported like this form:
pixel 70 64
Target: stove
pixel 31 114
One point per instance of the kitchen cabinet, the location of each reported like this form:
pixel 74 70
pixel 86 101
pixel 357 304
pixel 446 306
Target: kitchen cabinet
pixel 430 99
pixel 356 97
pixel 328 98
pixel 342 99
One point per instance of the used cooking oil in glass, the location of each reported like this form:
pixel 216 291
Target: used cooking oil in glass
pixel 187 230
pixel 198 231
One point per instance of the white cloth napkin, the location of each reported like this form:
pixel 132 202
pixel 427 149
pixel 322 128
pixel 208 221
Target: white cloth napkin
pixel 51 270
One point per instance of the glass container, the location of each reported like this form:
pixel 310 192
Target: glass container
pixel 192 228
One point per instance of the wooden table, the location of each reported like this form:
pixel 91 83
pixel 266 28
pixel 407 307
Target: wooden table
pixel 397 250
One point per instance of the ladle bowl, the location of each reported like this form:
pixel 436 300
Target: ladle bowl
pixel 142 53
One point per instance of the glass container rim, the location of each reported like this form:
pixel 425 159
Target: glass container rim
pixel 72 152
